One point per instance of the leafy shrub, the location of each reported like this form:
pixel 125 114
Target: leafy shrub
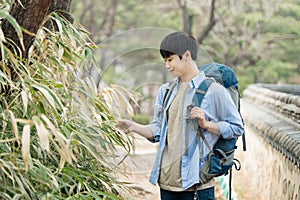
pixel 57 138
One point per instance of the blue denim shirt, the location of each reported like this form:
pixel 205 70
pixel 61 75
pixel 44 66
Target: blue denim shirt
pixel 218 107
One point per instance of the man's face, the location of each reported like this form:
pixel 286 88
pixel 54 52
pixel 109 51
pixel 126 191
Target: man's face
pixel 175 65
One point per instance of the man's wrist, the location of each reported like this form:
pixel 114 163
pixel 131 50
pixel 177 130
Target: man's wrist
pixel 209 123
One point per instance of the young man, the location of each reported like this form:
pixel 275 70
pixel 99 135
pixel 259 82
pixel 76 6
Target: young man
pixel 175 124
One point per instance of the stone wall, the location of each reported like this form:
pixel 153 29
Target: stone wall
pixel 271 164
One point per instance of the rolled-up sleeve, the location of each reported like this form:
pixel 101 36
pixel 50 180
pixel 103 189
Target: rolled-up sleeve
pixel 225 112
pixel 229 130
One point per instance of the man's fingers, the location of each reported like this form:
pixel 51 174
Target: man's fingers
pixel 122 124
pixel 197 112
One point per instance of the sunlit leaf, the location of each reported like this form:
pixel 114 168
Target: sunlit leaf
pixel 42 132
pixel 14 125
pixel 26 146
pixel 25 101
pixel 49 95
pixel 6 78
pixel 24 121
pixel 59 25
pixel 117 99
pixel 2 37
pixel 60 52
pixel 63 148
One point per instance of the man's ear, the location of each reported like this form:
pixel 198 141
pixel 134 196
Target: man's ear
pixel 187 55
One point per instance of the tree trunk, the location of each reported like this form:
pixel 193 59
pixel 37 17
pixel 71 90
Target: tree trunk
pixel 62 7
pixel 187 19
pixel 30 17
pixel 210 25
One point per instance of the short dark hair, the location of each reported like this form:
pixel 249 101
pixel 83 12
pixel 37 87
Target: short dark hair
pixel 178 43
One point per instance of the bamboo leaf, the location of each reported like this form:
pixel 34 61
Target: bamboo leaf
pixel 108 195
pixel 21 185
pixel 46 95
pixel 2 51
pixel 60 53
pixel 14 125
pixel 4 169
pixel 15 24
pixel 4 122
pixel 117 99
pixel 59 25
pixel 26 146
pixel 42 133
pixel 24 121
pixel 123 101
pixel 2 37
pixel 49 95
pixel 63 148
pixel 25 102
pixel 7 79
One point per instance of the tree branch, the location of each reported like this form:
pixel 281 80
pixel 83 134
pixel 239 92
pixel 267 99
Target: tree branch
pixel 210 25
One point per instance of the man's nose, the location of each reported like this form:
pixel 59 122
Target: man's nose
pixel 167 65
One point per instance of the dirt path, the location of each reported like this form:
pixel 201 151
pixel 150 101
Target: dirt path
pixel 138 166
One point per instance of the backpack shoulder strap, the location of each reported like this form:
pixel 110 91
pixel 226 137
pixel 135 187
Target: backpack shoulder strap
pixel 201 91
pixel 198 97
pixel 171 86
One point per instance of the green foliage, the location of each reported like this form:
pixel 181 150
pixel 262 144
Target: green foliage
pixel 245 77
pixel 267 37
pixel 283 71
pixel 253 19
pixel 57 138
pixel 271 72
pixel 284 25
pixel 290 9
